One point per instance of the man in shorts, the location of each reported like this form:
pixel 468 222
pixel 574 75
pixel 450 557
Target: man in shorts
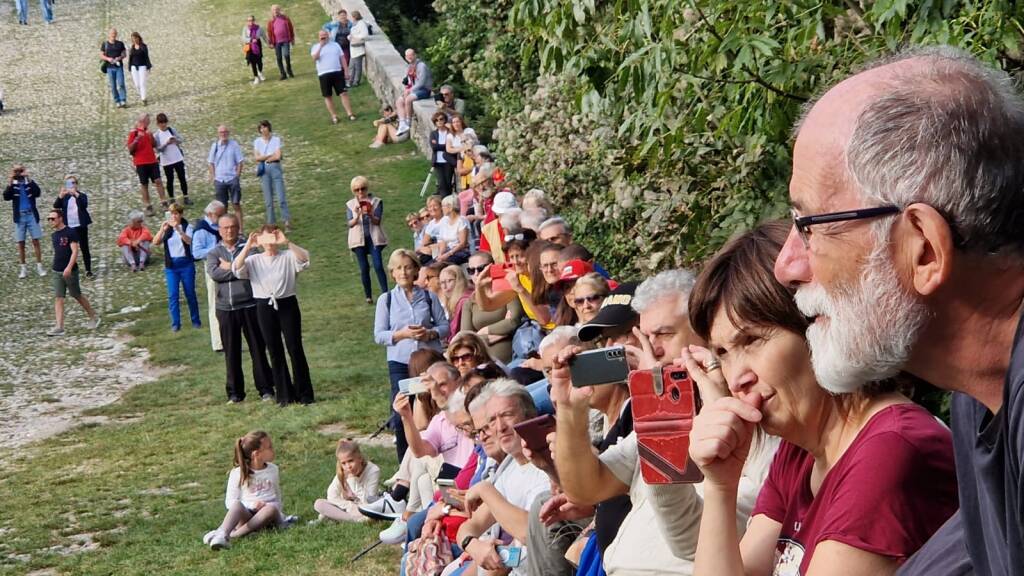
pixel 65 272
pixel 22 192
pixel 225 160
pixel 142 147
pixel 331 68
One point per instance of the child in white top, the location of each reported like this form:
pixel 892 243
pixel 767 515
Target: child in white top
pixel 355 483
pixel 253 495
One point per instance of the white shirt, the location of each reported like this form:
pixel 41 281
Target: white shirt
pixel 265 148
pixel 448 232
pixel 271 277
pixel 365 487
pixel 169 153
pixel 357 35
pixel 72 215
pixel 264 485
pixel 442 137
pixel 330 57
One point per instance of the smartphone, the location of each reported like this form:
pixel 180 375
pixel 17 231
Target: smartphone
pixel 69 184
pixel 535 432
pixel 601 366
pixel 498 281
pixel 448 498
pixel 664 401
pixel 446 483
pixel 511 556
pixel 266 238
pixel 412 386
pixel 167 216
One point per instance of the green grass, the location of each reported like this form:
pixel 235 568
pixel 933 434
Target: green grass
pixel 147 485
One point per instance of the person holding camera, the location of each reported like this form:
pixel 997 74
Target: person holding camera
pixel 65 273
pixel 74 205
pixel 366 237
pixel 113 53
pixel 272 277
pixel 22 192
pixel 142 146
pixel 418 83
pixel 179 268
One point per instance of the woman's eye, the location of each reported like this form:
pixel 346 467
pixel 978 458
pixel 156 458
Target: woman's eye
pixel 720 352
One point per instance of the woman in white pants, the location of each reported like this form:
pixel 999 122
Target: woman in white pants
pixel 139 65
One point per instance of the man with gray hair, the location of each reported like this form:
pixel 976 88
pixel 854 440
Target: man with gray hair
pixel 205 237
pixel 225 161
pixel 908 254
pixel 662 302
pixel 555 229
pixel 418 83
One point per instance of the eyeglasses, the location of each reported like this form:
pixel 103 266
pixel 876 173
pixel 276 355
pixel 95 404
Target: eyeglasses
pixel 803 223
pixel 50 218
pixel 588 299
pixel 360 189
pixel 476 269
pixel 549 265
pixel 469 356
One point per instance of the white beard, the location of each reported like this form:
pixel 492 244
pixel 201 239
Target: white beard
pixel 867 331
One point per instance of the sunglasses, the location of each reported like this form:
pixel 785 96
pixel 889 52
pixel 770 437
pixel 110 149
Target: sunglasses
pixel 588 299
pixel 360 189
pixel 476 269
pixel 463 357
pixel 50 218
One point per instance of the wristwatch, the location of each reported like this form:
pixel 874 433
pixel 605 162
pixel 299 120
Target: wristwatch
pixel 465 542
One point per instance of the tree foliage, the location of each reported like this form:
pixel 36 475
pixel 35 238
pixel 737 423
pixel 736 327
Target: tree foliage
pixel 664 126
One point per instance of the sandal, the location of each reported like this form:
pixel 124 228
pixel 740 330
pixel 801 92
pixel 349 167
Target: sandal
pixel 149 210
pixel 352 117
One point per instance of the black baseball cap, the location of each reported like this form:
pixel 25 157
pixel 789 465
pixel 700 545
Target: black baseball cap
pixel 616 310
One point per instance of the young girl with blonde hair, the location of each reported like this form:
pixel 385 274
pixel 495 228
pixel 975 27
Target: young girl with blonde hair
pixel 356 481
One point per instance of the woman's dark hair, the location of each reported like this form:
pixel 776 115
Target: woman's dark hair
pixel 540 286
pixel 161 118
pixel 137 36
pixel 422 359
pixel 575 252
pixel 521 239
pixel 267 124
pixel 488 371
pixel 740 279
pixel 438 116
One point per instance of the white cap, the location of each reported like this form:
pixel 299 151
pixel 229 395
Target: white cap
pixel 504 202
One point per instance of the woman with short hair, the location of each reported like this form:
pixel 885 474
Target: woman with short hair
pixel 267 152
pixel 366 238
pixel 179 268
pixel 441 159
pixel 452 233
pixel 253 39
pixel 466 351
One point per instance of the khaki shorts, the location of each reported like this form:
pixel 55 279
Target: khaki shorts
pixel 62 287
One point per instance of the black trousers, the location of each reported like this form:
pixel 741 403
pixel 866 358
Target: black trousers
pixel 169 172
pixel 234 325
pixel 445 173
pixel 83 244
pixel 285 322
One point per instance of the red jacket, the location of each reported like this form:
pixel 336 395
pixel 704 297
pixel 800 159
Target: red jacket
pixel 270 31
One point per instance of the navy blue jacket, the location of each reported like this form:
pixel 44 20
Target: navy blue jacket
pixel 13 193
pixel 83 208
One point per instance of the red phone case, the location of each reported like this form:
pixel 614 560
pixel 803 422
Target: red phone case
pixel 535 431
pixel 498 281
pixel 664 403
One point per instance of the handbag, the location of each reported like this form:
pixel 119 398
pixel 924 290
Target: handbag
pixel 103 67
pixel 261 168
pixel 429 555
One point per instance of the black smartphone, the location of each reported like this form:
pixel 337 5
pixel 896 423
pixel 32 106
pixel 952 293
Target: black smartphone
pixel 601 366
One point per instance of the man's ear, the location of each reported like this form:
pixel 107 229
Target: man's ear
pixel 924 241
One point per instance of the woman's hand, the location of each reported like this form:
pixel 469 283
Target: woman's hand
pixel 720 439
pixel 512 277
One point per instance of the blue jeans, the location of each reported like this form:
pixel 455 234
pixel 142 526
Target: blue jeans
pixel 283 51
pixel 22 7
pixel 47 7
pixel 115 75
pixel 362 256
pixel 183 272
pixel 272 183
pixel 397 371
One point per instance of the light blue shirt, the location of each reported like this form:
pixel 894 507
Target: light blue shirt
pixel 425 310
pixel 175 246
pixel 203 241
pixel 225 159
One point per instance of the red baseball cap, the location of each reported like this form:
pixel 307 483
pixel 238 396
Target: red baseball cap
pixel 574 270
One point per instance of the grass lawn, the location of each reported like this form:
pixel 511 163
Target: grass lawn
pixel 139 492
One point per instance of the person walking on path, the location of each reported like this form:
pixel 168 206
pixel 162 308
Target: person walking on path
pixel 357 46
pixel 65 273
pixel 205 237
pixel 21 6
pixel 282 35
pixel 331 70
pixel 253 38
pixel 418 83
pixel 74 206
pixel 22 192
pixel 236 315
pixel 139 65
pixel 272 274
pixel 113 53
pixel 172 158
pixel 366 236
pixel 267 151
pixel 225 160
pixel 142 146
pixel 179 269
pixel 47 8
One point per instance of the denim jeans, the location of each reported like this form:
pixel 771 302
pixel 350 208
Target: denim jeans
pixel 283 50
pixel 397 371
pixel 182 272
pixel 47 7
pixel 115 75
pixel 362 256
pixel 22 7
pixel 272 183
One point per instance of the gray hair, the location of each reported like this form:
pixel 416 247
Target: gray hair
pixel 677 283
pixel 947 134
pixel 511 220
pixel 213 207
pixel 452 201
pixel 532 219
pixel 135 215
pixel 456 402
pixel 505 388
pixel 554 221
pixel 561 336
pixel 481 149
pixel 453 372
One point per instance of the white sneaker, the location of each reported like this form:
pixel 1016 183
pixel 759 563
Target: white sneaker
pixel 40 269
pixel 219 541
pixel 386 508
pixel 209 536
pixel 260 76
pixel 403 127
pixel 289 521
pixel 255 81
pixel 24 272
pixel 395 534
pixel 94 324
pixel 55 331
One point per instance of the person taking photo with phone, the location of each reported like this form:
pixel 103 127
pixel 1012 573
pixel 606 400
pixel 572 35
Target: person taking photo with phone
pixel 142 146
pixel 175 234
pixel 21 192
pixel 74 204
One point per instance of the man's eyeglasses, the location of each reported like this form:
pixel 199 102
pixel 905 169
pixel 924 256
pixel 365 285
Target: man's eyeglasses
pixel 588 299
pixel 803 223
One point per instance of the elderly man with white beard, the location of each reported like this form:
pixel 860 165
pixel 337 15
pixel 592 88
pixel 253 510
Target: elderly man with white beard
pixel 908 254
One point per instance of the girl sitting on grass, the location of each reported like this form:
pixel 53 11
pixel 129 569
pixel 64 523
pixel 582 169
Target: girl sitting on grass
pixel 253 496
pixel 356 482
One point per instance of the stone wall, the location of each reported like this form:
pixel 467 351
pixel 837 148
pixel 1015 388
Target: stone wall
pixel 385 68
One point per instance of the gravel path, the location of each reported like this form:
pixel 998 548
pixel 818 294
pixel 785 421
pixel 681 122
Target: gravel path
pixel 60 119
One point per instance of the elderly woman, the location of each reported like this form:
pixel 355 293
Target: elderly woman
pixel 175 235
pixel 272 275
pixel 429 245
pixel 860 480
pixel 455 292
pixel 452 232
pixel 135 242
pixel 587 296
pixel 497 326
pixel 466 351
pixel 75 206
pixel 407 318
pixel 366 238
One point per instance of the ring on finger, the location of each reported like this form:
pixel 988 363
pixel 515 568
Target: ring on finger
pixel 712 365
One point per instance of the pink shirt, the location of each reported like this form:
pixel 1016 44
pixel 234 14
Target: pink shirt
pixel 282 33
pixel 888 493
pixel 454 446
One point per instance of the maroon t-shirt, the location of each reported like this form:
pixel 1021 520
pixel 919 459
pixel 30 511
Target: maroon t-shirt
pixel 892 488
